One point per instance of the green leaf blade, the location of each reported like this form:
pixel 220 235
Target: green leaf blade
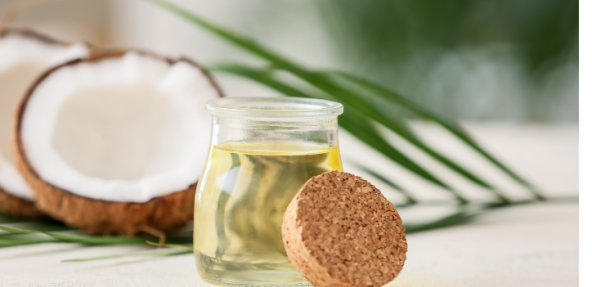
pixel 358 126
pixel 84 239
pixel 324 83
pixel 452 127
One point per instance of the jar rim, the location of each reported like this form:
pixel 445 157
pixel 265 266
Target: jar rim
pixel 274 107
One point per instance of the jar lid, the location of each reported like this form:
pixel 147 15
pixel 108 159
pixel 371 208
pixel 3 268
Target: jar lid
pixel 339 225
pixel 280 108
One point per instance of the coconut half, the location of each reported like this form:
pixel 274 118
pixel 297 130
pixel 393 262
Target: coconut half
pixel 24 56
pixel 115 143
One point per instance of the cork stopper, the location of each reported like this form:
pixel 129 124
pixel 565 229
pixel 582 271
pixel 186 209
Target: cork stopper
pixel 339 230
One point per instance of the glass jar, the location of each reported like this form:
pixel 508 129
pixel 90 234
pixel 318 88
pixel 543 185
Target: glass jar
pixel 262 150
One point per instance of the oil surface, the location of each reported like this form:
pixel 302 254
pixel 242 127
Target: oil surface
pixel 239 206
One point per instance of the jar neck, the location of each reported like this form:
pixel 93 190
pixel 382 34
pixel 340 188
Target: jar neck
pixel 313 132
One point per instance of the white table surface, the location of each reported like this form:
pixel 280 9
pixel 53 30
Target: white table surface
pixel 534 245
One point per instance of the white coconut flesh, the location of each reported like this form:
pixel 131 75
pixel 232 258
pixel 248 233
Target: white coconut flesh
pixel 22 59
pixel 125 129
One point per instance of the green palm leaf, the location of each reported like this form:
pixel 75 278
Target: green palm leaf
pixel 408 196
pixel 400 127
pixel 350 121
pixel 74 238
pixel 325 83
pixel 452 127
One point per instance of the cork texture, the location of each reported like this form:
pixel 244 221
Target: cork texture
pixel 339 230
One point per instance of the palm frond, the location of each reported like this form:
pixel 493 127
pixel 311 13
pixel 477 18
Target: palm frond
pixel 361 104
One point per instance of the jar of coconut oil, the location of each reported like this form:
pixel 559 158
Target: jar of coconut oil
pixel 262 150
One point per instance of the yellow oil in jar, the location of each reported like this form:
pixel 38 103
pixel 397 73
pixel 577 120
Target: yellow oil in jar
pixel 240 201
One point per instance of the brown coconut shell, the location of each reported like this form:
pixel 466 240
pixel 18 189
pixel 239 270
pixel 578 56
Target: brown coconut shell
pixel 26 32
pixel 11 204
pixel 18 207
pixel 340 231
pixel 103 217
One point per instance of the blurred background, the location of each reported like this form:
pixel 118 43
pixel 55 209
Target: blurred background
pixel 476 60
pixel 507 69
